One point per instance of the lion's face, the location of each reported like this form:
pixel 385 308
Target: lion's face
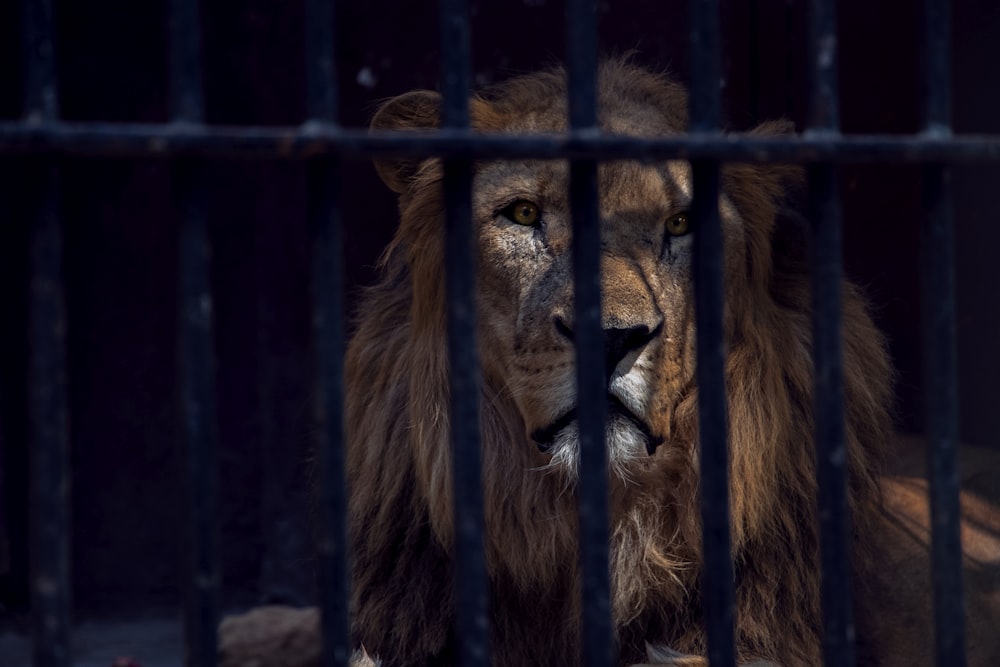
pixel 527 299
pixel 526 284
pixel 521 210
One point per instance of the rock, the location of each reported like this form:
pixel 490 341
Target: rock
pixel 276 636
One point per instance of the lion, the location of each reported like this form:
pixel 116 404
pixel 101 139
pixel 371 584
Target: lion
pixel 397 406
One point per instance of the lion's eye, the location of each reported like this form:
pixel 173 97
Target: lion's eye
pixel 679 225
pixel 523 212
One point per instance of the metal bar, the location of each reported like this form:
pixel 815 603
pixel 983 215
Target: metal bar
pixel 937 66
pixel 717 580
pixel 326 226
pixel 321 75
pixel 50 479
pixel 197 406
pixel 940 347
pixel 941 393
pixel 47 400
pixel 472 625
pixel 824 111
pixel 186 96
pixel 705 65
pixel 197 358
pixel 831 443
pixel 294 143
pixel 40 92
pixel 456 63
pixel 717 570
pixel 581 61
pixel 597 641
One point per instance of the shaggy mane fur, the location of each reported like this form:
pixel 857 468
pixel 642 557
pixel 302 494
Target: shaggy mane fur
pixel 399 454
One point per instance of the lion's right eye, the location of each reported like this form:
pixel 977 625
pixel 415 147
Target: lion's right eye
pixel 679 225
pixel 523 212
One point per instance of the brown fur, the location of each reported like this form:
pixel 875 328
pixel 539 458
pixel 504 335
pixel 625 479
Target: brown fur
pixel 398 423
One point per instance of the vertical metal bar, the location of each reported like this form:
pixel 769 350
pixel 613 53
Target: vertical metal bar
pixel 321 76
pixel 197 405
pixel 50 480
pixel 581 61
pixel 937 66
pixel 328 328
pixel 831 442
pixel 831 460
pixel 40 93
pixel 471 593
pixel 597 642
pixel 717 570
pixel 941 394
pixel 706 66
pixel 824 109
pixel 939 351
pixel 47 400
pixel 197 358
pixel 186 95
pixel 717 579
pixel 326 226
pixel 456 63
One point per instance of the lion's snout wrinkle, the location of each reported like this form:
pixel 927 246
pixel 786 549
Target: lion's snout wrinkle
pixel 620 343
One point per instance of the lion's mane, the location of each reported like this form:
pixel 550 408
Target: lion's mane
pixel 399 454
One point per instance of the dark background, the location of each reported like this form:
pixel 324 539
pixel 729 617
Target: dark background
pixel 120 231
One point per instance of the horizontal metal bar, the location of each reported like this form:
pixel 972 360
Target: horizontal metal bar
pixel 147 140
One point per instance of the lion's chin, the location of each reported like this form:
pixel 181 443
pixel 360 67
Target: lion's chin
pixel 627 438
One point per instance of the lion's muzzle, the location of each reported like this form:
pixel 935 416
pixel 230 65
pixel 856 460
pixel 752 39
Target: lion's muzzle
pixel 618 415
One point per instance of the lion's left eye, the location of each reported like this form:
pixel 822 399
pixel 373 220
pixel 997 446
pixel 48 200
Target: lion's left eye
pixel 523 212
pixel 679 225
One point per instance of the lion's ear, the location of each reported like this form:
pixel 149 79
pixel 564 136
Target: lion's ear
pixel 416 110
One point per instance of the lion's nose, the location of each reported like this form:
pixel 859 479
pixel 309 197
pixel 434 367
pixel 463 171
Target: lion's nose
pixel 618 342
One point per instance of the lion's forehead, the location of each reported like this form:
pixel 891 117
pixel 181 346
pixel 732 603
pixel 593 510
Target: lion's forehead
pixel 625 187
pixel 617 114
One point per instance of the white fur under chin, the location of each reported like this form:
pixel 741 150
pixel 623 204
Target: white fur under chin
pixel 625 442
